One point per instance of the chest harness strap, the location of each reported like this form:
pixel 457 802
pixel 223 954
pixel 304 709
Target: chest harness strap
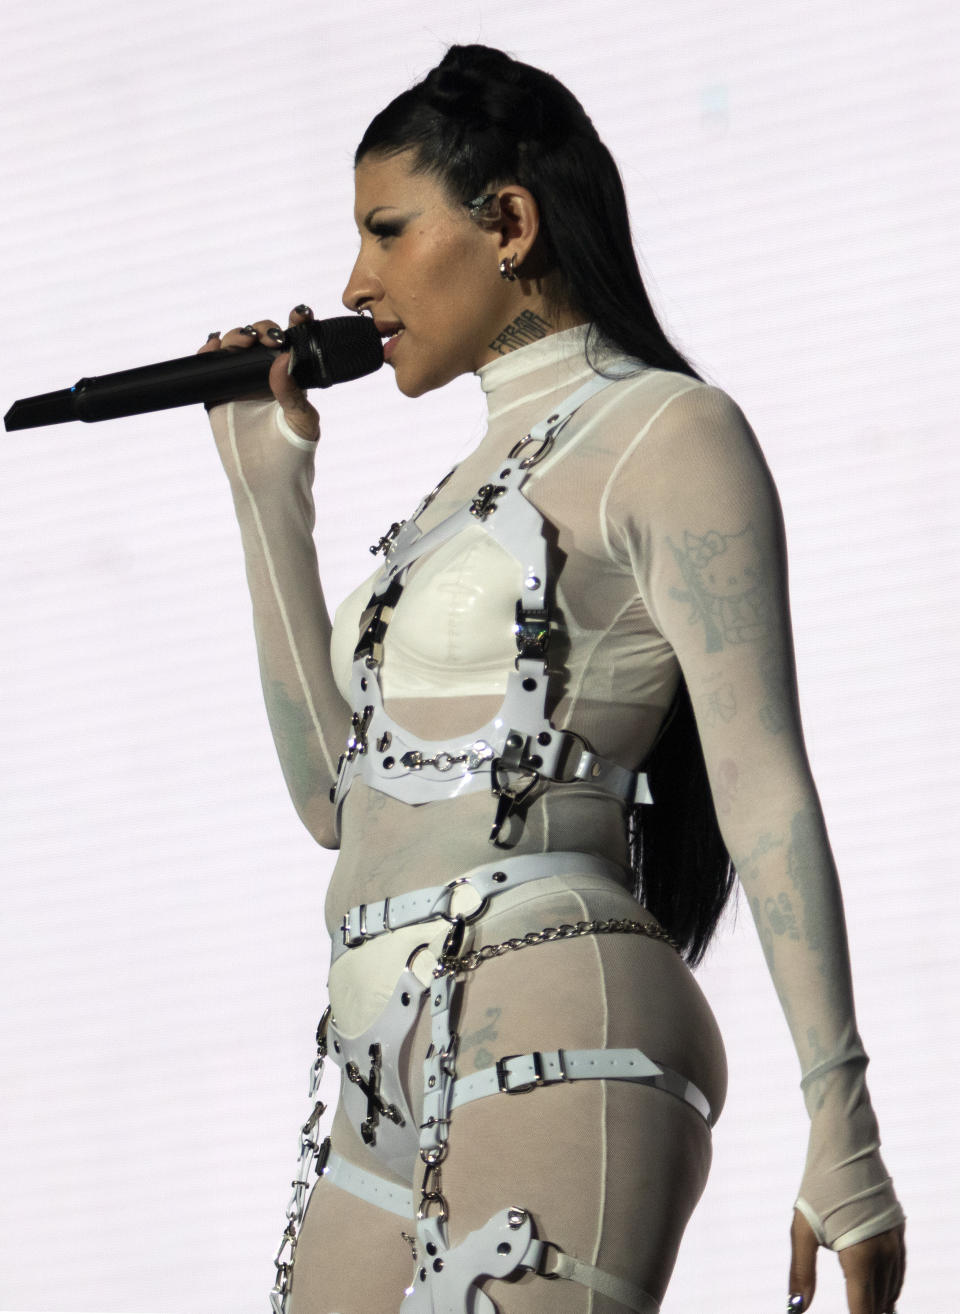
pixel 519 745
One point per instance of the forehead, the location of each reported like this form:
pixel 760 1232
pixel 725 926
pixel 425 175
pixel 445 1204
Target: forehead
pixel 389 181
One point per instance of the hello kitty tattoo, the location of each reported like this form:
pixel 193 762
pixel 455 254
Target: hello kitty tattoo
pixel 725 586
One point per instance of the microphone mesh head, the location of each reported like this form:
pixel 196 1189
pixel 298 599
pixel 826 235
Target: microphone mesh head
pixel 329 351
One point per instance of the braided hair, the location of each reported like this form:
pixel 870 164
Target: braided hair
pixel 478 121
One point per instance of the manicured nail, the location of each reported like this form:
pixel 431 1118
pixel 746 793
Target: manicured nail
pixel 275 334
pixel 248 328
pixel 794 1304
pixel 214 334
pixel 303 310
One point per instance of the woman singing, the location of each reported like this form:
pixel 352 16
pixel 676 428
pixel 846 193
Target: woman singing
pixel 589 613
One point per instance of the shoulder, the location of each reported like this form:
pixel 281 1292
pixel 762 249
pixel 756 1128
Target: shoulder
pixel 687 451
pixel 656 402
pixel 667 426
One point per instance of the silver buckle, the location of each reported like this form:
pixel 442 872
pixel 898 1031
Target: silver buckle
pixel 503 1075
pixel 351 941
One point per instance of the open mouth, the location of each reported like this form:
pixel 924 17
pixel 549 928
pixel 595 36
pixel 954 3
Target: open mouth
pixel 391 333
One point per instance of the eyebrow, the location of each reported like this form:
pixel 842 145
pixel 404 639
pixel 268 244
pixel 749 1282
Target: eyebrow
pixel 412 214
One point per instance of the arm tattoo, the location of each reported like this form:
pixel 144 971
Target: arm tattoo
pixel 295 736
pixel 721 704
pixel 773 713
pixel 803 863
pixel 527 327
pixel 724 586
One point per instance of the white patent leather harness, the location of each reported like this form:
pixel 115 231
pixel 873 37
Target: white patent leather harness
pixel 519 742
pixel 508 755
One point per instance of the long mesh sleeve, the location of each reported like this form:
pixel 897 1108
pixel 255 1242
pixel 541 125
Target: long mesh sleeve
pixel 270 470
pixel 693 510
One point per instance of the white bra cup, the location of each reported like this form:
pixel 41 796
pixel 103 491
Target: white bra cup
pixel 452 633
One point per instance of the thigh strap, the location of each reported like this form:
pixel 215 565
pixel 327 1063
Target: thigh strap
pixel 465 896
pixel 517 1073
pixel 556 1263
pixel 544 1258
pixel 449 1277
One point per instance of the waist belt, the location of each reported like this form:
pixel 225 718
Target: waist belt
pixel 464 897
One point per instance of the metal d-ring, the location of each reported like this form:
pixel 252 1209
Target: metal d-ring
pixel 463 917
pixel 545 444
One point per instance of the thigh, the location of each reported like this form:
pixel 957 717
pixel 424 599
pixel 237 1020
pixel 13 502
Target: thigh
pixel 609 1171
pixel 351 1257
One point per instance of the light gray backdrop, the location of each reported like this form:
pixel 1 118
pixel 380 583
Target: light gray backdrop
pixel 176 168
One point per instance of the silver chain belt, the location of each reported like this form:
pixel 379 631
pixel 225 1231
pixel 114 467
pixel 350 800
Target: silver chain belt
pixel 566 931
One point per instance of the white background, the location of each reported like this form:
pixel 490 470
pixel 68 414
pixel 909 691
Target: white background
pixel 173 169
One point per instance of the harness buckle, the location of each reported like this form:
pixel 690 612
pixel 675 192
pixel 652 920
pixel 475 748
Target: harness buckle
pixel 503 1076
pixel 532 631
pixel 349 939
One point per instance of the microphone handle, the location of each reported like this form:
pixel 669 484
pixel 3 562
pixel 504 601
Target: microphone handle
pixel 323 352
pixel 220 376
pixel 214 376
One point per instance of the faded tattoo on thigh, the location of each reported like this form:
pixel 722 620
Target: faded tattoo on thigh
pixel 481 1038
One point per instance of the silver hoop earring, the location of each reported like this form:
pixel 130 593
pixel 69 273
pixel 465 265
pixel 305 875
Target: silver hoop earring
pixel 508 269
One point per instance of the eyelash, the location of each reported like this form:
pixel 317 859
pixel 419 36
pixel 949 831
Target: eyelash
pixel 383 231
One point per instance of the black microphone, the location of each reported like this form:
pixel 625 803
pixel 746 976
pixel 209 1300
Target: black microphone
pixel 323 352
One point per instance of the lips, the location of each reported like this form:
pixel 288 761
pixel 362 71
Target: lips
pixel 391 330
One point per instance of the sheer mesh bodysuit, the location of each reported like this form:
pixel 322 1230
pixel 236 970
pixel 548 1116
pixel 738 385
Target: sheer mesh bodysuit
pixel 667 550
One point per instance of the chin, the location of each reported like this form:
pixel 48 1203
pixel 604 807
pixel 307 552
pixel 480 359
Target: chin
pixel 412 385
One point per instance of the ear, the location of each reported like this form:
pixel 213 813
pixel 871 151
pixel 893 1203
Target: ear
pixel 519 223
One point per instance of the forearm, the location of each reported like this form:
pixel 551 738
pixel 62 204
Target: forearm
pixel 270 473
pixel 791 882
pixel 787 871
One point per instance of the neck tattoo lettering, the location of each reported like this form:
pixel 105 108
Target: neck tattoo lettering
pixel 527 327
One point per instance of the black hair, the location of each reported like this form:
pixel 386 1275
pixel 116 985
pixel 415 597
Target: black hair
pixel 477 121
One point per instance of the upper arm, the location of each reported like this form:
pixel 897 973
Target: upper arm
pixel 699 516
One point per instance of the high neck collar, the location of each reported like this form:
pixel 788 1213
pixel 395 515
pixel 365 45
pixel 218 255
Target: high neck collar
pixel 535 370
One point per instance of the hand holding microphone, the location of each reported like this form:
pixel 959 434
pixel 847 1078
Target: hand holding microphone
pixel 300 414
pixel 321 353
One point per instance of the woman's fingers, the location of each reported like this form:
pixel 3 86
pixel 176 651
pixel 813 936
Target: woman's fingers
pixel 259 331
pixel 873 1270
pixel 299 315
pixel 301 416
pixel 803 1262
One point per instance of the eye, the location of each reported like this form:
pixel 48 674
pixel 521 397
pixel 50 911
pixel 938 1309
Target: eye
pixel 383 230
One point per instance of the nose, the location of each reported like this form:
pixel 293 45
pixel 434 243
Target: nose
pixel 363 287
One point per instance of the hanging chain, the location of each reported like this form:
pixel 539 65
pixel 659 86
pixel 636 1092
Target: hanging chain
pixel 310 1149
pixel 469 962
